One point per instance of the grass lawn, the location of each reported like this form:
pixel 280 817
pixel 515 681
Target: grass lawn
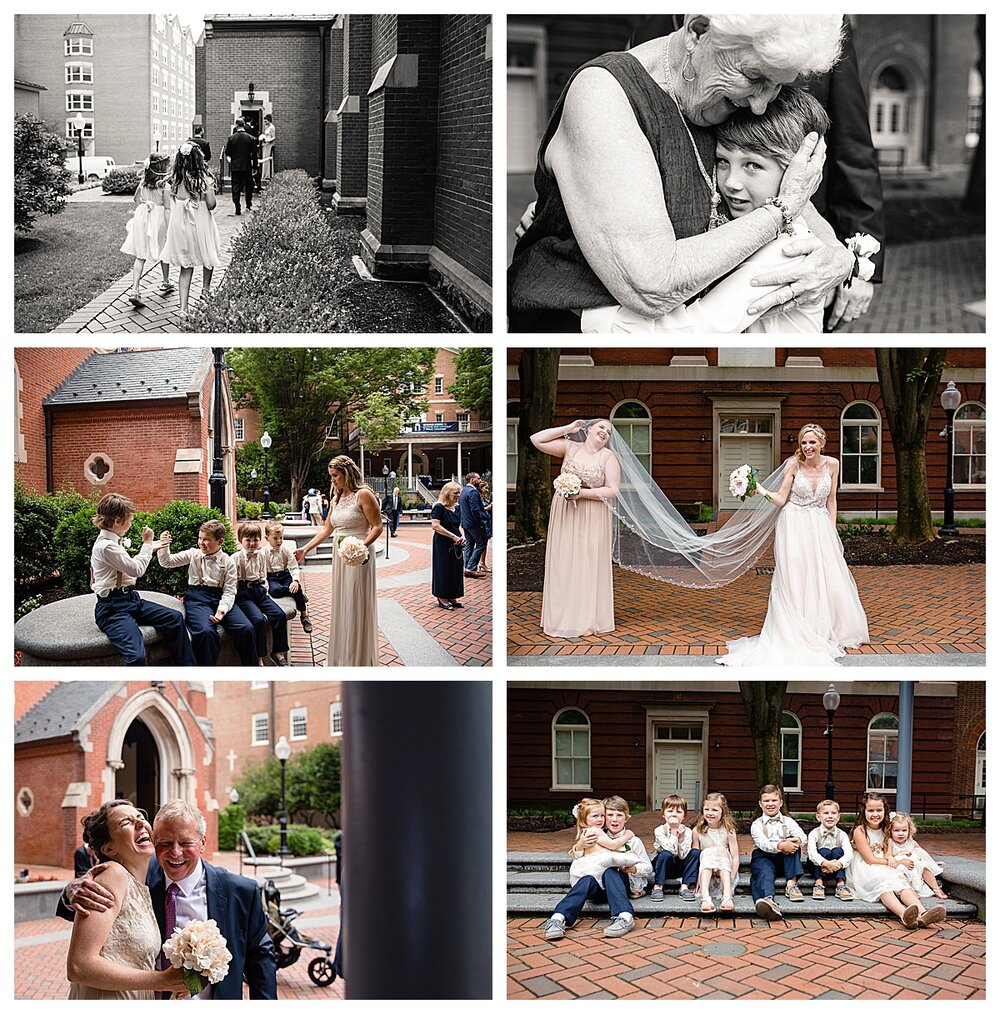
pixel 67 260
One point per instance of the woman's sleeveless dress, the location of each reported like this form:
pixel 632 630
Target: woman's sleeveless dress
pixel 192 235
pixel 354 593
pixel 146 230
pixel 813 611
pixel 868 882
pixel 134 941
pixel 578 593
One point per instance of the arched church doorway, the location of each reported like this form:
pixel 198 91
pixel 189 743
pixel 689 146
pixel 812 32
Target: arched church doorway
pixel 139 777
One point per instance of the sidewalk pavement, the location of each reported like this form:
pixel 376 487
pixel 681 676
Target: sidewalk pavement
pixel 413 630
pixel 915 614
pixel 111 310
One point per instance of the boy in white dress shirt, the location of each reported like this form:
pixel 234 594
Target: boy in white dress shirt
pixel 672 852
pixel 120 609
pixel 252 597
pixel 211 595
pixel 778 842
pixel 283 572
pixel 829 850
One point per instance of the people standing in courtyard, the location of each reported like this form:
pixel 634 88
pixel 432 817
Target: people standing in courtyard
pixel 392 507
pixel 192 235
pixel 447 583
pixel 355 522
pixel 198 137
pixel 315 502
pixel 474 520
pixel 146 230
pixel 267 150
pixel 241 152
pixel 484 492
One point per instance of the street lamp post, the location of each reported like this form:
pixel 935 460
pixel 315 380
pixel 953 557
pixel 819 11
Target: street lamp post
pixel 265 442
pixel 156 139
pixel 217 480
pixel 831 701
pixel 79 123
pixel 283 751
pixel 253 483
pixel 951 398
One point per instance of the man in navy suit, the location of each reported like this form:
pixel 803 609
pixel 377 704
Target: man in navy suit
pixel 475 523
pixel 241 150
pixel 392 507
pixel 184 887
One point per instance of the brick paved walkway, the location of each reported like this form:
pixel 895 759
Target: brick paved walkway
pixel 111 310
pixel 911 610
pixel 465 634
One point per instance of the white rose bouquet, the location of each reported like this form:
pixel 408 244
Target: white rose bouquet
pixel 200 951
pixel 864 247
pixel 352 550
pixel 743 481
pixel 567 486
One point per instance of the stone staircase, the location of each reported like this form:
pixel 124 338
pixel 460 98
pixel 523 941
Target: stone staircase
pixel 536 882
pixel 294 889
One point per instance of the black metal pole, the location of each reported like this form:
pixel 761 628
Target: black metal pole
pixel 266 512
pixel 948 528
pixel 829 755
pixel 440 934
pixel 79 152
pixel 283 820
pixel 217 480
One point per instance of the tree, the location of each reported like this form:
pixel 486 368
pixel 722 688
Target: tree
pixel 473 387
pixel 380 421
pixel 763 703
pixel 307 396
pixel 909 381
pixel 312 785
pixel 538 372
pixel 250 455
pixel 41 181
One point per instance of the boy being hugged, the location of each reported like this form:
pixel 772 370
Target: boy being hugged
pixel 829 850
pixel 252 597
pixel 673 855
pixel 211 595
pixel 120 609
pixel 283 572
pixel 778 842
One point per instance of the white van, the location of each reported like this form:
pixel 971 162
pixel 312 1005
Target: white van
pixel 95 167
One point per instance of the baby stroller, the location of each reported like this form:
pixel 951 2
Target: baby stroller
pixel 289 942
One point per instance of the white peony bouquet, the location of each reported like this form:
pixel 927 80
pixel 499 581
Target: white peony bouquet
pixel 743 481
pixel 352 550
pixel 567 486
pixel 864 247
pixel 199 950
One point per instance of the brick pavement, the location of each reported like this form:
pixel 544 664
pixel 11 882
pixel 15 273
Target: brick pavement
pixel 911 610
pixel 111 310
pixel 466 634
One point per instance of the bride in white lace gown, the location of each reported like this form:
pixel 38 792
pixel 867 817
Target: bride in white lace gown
pixel 112 954
pixel 813 611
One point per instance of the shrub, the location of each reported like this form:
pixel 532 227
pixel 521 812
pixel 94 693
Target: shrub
pixel 182 519
pixel 36 518
pixel 41 181
pixel 231 821
pixel 302 840
pixel 123 179
pixel 248 510
pixel 286 257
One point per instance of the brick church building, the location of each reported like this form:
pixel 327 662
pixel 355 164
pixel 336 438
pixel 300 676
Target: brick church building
pixel 393 112
pixel 134 422
pixel 78 744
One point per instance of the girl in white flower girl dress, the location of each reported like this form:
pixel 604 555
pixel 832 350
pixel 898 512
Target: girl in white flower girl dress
pixel 715 835
pixel 917 864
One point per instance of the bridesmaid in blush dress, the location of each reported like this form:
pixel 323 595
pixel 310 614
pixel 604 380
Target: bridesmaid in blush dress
pixel 578 593
pixel 354 593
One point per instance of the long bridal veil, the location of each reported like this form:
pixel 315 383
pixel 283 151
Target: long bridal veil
pixel 651 537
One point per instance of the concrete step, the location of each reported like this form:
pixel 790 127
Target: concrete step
pixel 291 886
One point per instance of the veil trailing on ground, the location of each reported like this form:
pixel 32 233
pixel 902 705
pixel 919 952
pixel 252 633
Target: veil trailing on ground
pixel 651 538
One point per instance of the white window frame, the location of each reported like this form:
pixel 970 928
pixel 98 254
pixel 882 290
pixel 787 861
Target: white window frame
pixel 633 424
pixel 858 423
pixel 79 72
pixel 77 102
pixel 255 740
pixel 980 786
pixel 88 130
pixel 973 425
pixel 795 733
pixel 574 758
pixel 156 103
pixel 886 736
pixel 336 718
pixel 78 46
pixel 302 715
pixel 238 429
pixel 439 384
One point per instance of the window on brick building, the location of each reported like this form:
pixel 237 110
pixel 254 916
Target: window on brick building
pixel 791 752
pixel 634 424
pixel 883 752
pixel 861 446
pixel 336 718
pixel 297 723
pixel 980 789
pixel 156 77
pixel 156 103
pixel 79 73
pixel 571 750
pixel 88 129
pixel 463 422
pixel 439 416
pixel 238 429
pixel 513 411
pixel 969 444
pixel 439 385
pixel 78 47
pixel 259 729
pixel 79 100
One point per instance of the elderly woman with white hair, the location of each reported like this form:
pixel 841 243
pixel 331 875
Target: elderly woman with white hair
pixel 627 198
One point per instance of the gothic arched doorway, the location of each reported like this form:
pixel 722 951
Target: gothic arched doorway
pixel 139 777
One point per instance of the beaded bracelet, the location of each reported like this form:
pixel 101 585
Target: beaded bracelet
pixel 786 215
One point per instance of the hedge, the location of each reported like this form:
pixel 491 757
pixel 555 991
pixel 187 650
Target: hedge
pixel 123 179
pixel 302 840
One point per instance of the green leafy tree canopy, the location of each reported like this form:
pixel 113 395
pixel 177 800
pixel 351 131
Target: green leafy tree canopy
pixel 473 386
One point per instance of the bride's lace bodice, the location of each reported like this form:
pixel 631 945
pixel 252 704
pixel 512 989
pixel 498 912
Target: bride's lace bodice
pixel 802 494
pixel 348 518
pixel 591 475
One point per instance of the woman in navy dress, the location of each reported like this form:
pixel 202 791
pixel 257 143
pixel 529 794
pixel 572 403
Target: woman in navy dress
pixel 447 579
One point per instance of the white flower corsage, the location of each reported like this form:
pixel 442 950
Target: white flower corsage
pixel 185 148
pixel 864 247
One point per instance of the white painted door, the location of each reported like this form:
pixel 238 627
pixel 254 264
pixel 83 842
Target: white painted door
pixel 742 449
pixel 677 768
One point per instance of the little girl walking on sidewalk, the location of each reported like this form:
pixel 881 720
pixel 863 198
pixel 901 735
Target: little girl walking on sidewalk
pixel 146 231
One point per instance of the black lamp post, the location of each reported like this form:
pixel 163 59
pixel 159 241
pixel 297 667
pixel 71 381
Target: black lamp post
pixel 831 701
pixel 951 398
pixel 283 751
pixel 217 480
pixel 265 442
pixel 156 139
pixel 79 122
pixel 253 483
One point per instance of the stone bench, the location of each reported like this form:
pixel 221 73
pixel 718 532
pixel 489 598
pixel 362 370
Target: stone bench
pixel 64 633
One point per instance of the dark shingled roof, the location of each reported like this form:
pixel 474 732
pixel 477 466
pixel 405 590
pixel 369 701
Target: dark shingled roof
pixel 134 376
pixel 64 709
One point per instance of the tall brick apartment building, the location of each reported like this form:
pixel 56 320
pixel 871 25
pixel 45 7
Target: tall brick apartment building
pixel 139 423
pixel 130 75
pixel 78 744
pixel 250 716
pixel 393 112
pixel 694 414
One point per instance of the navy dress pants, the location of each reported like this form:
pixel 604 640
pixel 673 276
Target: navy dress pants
pixel 200 604
pixel 263 612
pixel 119 615
pixel 615 892
pixel 765 866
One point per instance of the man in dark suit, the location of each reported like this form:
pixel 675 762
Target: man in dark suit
pixel 198 138
pixel 83 860
pixel 241 150
pixel 392 507
pixel 850 194
pixel 183 887
pixel 475 523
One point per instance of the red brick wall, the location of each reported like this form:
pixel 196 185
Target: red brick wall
pixel 464 199
pixel 970 724
pixel 40 372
